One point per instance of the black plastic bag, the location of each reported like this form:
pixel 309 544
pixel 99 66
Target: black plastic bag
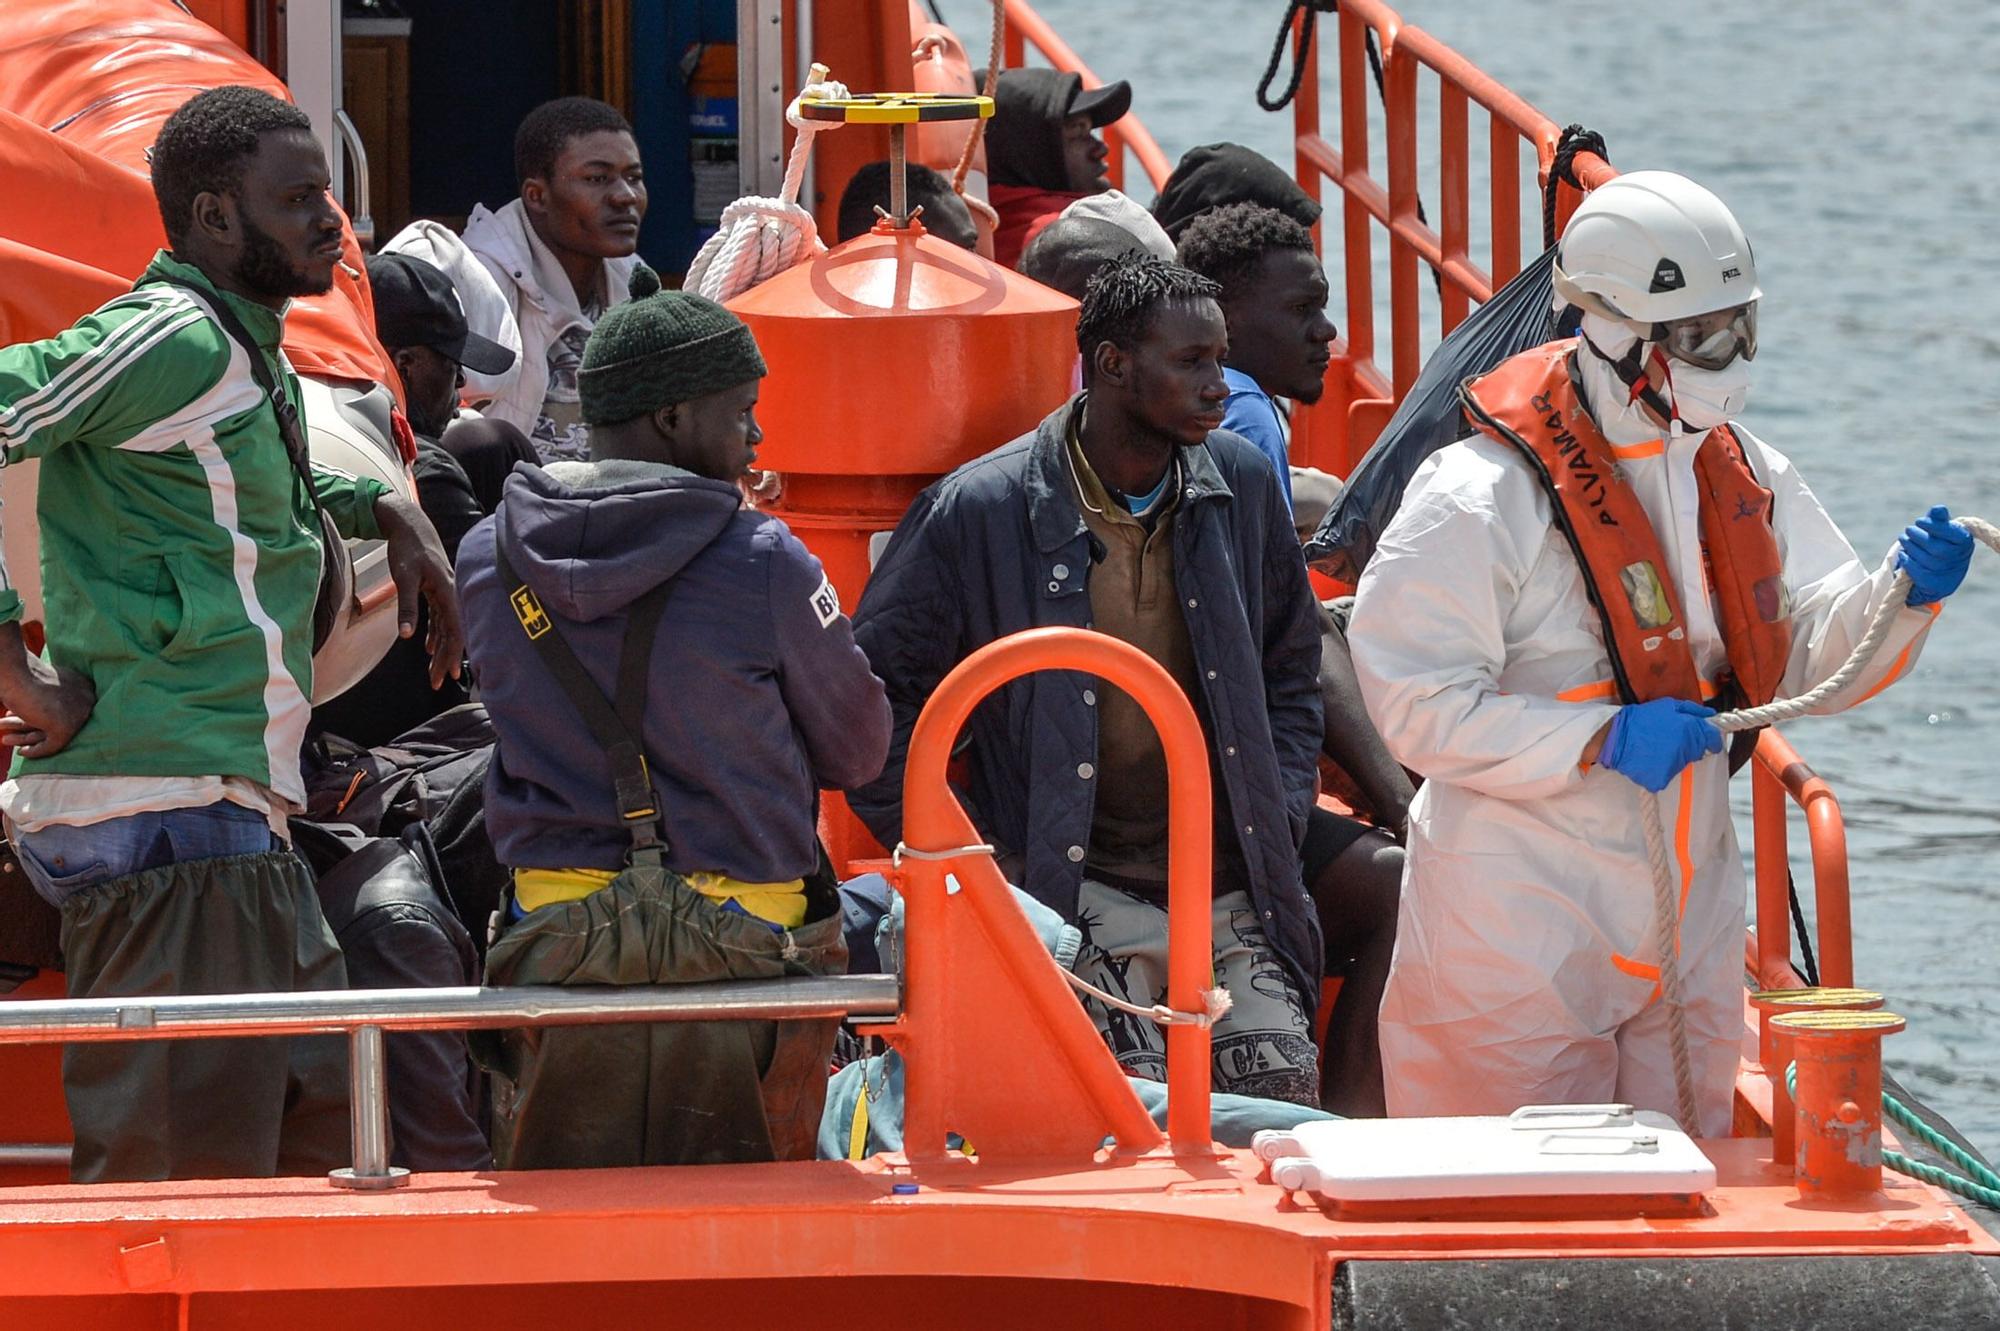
pixel 1516 319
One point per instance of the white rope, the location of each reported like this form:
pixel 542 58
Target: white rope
pixel 993 55
pixel 1215 1002
pixel 1215 1005
pixel 1667 926
pixel 1666 900
pixel 905 852
pixel 1858 660
pixel 758 238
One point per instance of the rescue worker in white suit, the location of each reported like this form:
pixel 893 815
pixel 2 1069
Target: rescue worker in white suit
pixel 1556 598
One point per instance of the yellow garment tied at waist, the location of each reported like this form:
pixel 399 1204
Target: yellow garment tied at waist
pixel 782 904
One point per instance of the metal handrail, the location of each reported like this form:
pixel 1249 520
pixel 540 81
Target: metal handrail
pixel 361 218
pixel 1027 28
pixel 363 1015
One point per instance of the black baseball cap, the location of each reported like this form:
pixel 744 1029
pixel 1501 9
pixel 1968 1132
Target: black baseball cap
pixel 417 306
pixel 1102 104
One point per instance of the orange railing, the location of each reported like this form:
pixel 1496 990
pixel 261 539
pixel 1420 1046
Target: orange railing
pixel 1026 28
pixel 1367 203
pixel 976 978
pixel 1777 773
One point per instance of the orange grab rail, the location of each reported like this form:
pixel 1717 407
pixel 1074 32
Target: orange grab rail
pixel 975 973
pixel 1367 202
pixel 1024 28
pixel 1777 773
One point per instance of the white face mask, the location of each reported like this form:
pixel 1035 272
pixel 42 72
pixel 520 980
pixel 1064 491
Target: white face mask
pixel 1622 418
pixel 1704 399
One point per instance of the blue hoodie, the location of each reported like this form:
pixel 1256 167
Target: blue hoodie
pixel 757 697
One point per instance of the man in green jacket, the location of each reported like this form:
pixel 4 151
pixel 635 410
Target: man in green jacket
pixel 158 738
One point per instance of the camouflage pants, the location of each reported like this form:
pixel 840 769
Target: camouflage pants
pixel 1263 1047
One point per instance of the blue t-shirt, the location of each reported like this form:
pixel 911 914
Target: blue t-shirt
pixel 1249 411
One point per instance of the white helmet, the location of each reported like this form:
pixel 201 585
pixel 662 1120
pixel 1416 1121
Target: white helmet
pixel 1652 249
pixel 348 429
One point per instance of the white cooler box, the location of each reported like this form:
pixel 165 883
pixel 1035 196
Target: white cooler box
pixel 1537 1151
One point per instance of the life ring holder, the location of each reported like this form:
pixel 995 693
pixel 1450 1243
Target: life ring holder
pixel 897 110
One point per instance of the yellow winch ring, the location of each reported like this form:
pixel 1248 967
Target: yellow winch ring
pixel 895 108
pixel 1796 1023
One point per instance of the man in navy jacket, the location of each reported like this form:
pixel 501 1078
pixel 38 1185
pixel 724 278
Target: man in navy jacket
pixel 685 851
pixel 1128 511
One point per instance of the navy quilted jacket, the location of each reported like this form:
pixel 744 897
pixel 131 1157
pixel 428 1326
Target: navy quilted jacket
pixel 999 546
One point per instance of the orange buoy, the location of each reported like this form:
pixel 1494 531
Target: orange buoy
pixel 956 356
pixel 894 358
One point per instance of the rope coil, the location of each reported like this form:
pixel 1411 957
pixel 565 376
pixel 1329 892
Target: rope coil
pixel 1309 10
pixel 758 238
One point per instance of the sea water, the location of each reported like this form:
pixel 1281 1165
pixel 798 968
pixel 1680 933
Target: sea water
pixel 1859 143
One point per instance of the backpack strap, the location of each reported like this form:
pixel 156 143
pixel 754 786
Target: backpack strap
pixel 291 428
pixel 617 724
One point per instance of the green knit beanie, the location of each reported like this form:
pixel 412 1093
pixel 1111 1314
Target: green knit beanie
pixel 662 348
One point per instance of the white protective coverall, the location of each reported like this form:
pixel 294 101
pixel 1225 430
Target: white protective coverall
pixel 1525 968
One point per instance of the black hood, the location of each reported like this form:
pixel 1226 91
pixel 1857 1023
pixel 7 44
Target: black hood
pixel 1024 140
pixel 1222 173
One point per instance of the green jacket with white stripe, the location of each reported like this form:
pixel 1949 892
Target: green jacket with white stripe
pixel 180 555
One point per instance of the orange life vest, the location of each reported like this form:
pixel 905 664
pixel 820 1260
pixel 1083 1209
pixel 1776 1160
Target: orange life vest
pixel 1531 401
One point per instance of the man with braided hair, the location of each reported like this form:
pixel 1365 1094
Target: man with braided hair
pixel 1129 511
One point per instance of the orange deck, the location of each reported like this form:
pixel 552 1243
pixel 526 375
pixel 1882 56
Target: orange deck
pixel 511 1250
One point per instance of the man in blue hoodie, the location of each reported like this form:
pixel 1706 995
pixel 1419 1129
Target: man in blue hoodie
pixel 672 681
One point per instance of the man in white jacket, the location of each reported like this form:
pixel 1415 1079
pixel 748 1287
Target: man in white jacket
pixel 563 254
pixel 1556 599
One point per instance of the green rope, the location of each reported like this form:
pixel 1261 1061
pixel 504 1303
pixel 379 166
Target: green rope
pixel 1984 1185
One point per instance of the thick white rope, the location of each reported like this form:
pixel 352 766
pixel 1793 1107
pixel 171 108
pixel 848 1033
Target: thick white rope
pixel 1667 928
pixel 758 237
pixel 1786 709
pixel 1666 900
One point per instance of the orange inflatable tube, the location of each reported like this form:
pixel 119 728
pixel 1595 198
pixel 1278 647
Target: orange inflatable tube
pixel 84 88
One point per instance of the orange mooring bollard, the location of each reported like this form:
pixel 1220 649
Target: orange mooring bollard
pixel 1775 1053
pixel 1839 1098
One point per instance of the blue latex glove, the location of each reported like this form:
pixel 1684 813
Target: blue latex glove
pixel 1935 552
pixel 1650 742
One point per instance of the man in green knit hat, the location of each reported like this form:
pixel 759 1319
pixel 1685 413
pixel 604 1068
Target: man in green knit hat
pixel 672 681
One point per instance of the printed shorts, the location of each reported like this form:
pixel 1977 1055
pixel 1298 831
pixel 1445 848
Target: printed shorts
pixel 1263 1047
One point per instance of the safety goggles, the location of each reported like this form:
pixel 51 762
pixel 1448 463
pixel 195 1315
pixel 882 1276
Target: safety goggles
pixel 1711 341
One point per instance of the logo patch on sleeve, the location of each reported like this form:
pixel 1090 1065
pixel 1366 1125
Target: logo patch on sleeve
pixel 826 602
pixel 528 609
